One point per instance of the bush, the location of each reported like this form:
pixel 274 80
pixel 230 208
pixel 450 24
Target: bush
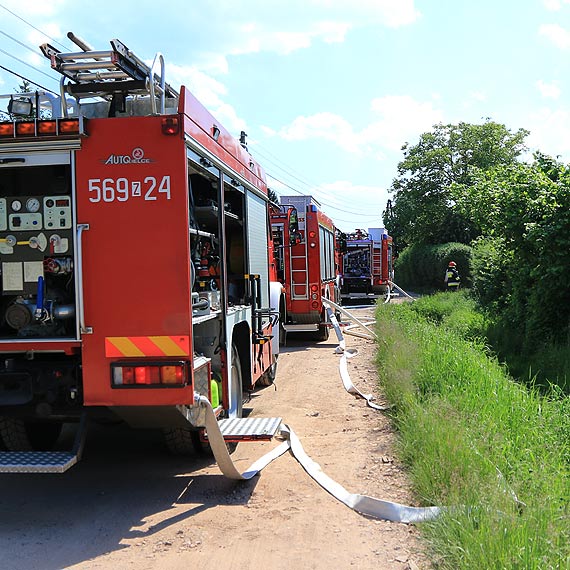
pixel 423 266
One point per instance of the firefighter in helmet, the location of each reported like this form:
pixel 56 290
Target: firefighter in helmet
pixel 452 278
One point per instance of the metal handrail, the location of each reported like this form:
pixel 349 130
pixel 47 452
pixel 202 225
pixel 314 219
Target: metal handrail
pixel 82 327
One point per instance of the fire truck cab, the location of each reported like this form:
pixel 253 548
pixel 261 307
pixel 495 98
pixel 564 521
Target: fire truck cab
pixel 134 256
pixel 307 264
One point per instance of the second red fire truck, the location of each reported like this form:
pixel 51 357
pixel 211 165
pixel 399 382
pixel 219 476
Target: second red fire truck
pixel 307 264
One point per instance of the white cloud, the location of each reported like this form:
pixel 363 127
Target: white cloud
pixel 353 206
pixel 328 126
pixel 554 5
pixel 254 26
pixel 395 120
pixel 401 118
pixel 550 132
pixel 548 90
pixel 209 92
pixel 479 96
pixel 556 34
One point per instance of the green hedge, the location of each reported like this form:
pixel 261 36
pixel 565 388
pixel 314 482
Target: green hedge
pixel 423 266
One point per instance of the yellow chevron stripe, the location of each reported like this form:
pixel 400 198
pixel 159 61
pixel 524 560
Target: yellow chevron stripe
pixel 124 345
pixel 168 346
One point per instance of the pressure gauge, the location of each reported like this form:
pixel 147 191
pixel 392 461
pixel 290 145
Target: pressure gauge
pixel 16 205
pixel 32 205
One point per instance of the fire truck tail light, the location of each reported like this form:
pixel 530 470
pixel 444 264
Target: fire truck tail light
pixel 156 374
pixel 315 304
pixel 312 234
pixel 313 244
pixel 170 126
pixel 7 130
pixel 172 374
pixel 314 288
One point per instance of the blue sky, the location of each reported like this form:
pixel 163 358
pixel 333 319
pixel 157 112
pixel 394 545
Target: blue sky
pixel 328 91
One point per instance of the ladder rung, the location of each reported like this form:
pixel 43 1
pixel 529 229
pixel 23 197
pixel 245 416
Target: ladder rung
pixel 98 76
pixel 85 55
pixel 87 66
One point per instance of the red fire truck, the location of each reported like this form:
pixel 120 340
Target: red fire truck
pixel 135 261
pixel 367 264
pixel 307 264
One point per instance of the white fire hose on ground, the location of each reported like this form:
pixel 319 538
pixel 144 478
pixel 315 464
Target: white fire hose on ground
pixel 369 506
pixel 401 290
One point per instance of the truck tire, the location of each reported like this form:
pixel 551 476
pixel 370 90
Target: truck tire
pixel 181 440
pixel 236 388
pixel 20 435
pixel 186 441
pixel 322 333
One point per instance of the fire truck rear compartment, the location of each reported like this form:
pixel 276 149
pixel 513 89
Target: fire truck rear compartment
pixel 36 253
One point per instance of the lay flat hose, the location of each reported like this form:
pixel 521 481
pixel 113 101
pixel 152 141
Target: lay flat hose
pixel 369 506
pixel 401 290
pixel 363 504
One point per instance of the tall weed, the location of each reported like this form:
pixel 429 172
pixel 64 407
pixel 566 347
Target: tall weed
pixel 474 440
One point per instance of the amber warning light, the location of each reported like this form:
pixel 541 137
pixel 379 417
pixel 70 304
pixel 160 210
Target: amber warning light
pixel 42 128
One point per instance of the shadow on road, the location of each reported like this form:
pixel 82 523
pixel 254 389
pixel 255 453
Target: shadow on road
pixel 55 521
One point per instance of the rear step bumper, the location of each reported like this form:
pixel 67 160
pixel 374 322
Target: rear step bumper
pixel 248 429
pixel 45 461
pixel 37 461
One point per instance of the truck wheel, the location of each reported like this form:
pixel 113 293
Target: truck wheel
pixel 236 390
pixel 180 440
pixel 282 319
pixel 322 333
pixel 20 435
pixel 183 441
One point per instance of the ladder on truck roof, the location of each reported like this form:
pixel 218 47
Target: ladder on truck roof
pixel 114 73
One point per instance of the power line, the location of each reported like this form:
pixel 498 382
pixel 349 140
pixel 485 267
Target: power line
pixel 18 42
pixel 28 65
pixel 26 79
pixel 324 204
pixel 32 26
pixel 313 188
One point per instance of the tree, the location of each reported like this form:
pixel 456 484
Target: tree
pixel 272 195
pixel 523 211
pixel 424 207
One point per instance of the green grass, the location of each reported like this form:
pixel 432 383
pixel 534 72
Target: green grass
pixel 473 439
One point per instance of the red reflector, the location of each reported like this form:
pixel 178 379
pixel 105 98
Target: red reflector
pixel 147 375
pixel 315 304
pixel 128 375
pixel 7 130
pixel 312 234
pixel 69 126
pixel 170 126
pixel 46 128
pixel 314 288
pixel 25 128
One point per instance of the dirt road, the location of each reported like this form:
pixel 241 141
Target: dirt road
pixel 128 504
